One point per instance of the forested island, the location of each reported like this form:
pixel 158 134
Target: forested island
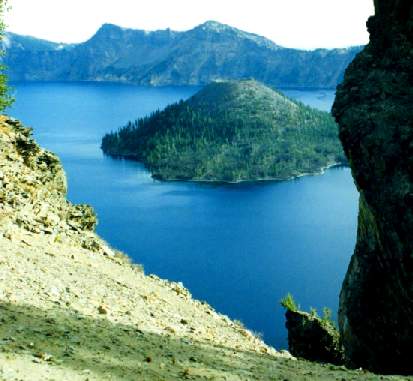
pixel 231 131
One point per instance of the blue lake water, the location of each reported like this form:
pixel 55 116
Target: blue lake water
pixel 239 247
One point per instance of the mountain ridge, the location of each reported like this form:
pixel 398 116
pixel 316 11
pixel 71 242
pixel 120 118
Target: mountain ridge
pixel 207 52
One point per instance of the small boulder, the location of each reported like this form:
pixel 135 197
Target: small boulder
pixel 102 309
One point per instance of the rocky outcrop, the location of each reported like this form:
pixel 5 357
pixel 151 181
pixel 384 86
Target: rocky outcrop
pixel 313 338
pixel 33 192
pixel 374 108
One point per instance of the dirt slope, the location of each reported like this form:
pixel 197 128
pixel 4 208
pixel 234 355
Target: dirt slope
pixel 73 309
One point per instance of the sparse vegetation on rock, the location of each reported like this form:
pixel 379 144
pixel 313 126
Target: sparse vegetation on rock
pixel 310 336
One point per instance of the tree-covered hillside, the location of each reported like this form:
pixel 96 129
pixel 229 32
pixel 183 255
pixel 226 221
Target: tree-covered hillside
pixel 230 131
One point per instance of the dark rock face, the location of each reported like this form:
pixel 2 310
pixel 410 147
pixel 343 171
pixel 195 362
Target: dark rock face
pixel 374 108
pixel 313 339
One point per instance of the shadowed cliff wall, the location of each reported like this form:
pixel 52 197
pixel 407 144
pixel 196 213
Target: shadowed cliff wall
pixel 374 108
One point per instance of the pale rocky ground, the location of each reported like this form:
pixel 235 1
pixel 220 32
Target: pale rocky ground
pixel 71 308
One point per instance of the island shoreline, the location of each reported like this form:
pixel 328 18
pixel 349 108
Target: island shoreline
pixel 228 182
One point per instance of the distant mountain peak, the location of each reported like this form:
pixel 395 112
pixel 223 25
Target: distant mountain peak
pixel 212 23
pixel 107 31
pixel 219 28
pixel 109 26
pixel 214 26
pixel 13 41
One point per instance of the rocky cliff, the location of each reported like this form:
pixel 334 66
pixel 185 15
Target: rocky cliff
pixel 33 190
pixel 374 108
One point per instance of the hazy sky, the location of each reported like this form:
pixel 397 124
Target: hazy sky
pixel 304 24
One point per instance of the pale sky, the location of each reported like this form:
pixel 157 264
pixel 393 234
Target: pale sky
pixel 306 24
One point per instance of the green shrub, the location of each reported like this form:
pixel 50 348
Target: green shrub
pixel 327 319
pixel 313 312
pixel 289 303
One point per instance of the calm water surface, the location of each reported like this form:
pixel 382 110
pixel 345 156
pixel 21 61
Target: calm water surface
pixel 239 247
